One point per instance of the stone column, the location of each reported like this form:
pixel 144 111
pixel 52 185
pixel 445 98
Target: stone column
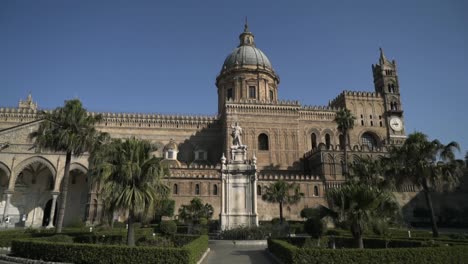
pixel 7 204
pixel 254 182
pixel 52 210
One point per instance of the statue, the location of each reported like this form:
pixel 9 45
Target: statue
pixel 236 135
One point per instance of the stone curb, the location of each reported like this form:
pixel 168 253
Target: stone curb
pixel 204 256
pixel 277 260
pixel 27 261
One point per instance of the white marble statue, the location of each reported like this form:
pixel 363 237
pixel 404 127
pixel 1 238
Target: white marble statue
pixel 236 135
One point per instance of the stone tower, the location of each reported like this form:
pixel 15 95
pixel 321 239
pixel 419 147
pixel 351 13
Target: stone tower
pixel 387 85
pixel 246 74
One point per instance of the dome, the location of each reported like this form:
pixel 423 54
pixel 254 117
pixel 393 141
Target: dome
pixel 246 54
pixel 171 146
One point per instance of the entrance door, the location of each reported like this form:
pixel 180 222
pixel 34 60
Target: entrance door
pixel 48 207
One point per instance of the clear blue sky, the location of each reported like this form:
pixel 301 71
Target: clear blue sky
pixel 155 57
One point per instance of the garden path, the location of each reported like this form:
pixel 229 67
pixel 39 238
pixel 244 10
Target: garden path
pixel 226 252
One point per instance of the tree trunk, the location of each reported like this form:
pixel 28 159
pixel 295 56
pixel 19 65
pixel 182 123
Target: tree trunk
pixel 345 152
pixel 281 212
pixel 63 193
pixel 435 230
pixel 359 241
pixel 131 230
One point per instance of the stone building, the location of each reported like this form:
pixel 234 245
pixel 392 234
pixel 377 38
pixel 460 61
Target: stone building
pixel 283 139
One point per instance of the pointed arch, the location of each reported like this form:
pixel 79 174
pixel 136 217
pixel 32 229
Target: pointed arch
pixel 5 168
pixel 30 161
pixel 74 166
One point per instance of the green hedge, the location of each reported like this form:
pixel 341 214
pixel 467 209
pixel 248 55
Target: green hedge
pixel 91 253
pixel 348 242
pixel 288 253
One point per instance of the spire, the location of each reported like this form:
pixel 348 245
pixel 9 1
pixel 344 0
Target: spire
pixel 382 58
pixel 246 25
pixel 246 38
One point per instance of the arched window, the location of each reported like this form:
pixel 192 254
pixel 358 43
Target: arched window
pixel 229 94
pixel 262 142
pixel 313 140
pixel 327 141
pixel 215 189
pixel 259 190
pixel 342 141
pixel 394 106
pixel 252 92
pixel 170 154
pixel 316 191
pixel 369 140
pixel 175 189
pixel 197 189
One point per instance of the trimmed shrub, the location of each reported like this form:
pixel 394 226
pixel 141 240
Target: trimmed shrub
pixel 168 227
pixel 58 239
pixel 103 254
pixel 244 233
pixel 315 227
pixel 291 254
pixel 92 238
pixel 182 229
pixel 156 241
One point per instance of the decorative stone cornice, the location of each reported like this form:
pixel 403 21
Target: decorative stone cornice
pixel 288 177
pixel 196 172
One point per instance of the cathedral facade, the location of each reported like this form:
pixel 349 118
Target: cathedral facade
pixel 282 140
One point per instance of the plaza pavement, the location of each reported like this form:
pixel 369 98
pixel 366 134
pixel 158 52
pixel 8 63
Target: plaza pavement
pixel 226 252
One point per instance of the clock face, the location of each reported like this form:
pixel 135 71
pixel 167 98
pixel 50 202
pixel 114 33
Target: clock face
pixel 396 124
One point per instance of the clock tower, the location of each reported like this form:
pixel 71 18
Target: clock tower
pixel 387 85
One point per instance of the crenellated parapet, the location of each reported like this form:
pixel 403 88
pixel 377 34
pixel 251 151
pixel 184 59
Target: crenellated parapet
pixel 20 115
pixel 318 113
pixel 23 115
pixel 339 101
pixel 155 120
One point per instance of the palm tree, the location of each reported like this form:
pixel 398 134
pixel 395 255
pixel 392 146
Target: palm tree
pixel 68 129
pixel 130 179
pixel 279 192
pixel 358 205
pixel 345 121
pixel 371 172
pixel 430 165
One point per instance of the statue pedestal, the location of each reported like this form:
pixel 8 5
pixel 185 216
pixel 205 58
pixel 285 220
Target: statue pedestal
pixel 239 192
pixel 238 154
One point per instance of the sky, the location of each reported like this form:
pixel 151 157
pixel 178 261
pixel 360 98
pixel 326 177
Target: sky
pixel 163 56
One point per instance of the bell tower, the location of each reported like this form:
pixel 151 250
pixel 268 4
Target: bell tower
pixel 387 85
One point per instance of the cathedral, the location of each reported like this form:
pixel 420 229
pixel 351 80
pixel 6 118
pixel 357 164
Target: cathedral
pixel 226 160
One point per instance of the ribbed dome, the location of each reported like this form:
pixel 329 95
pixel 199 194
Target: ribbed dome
pixel 246 55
